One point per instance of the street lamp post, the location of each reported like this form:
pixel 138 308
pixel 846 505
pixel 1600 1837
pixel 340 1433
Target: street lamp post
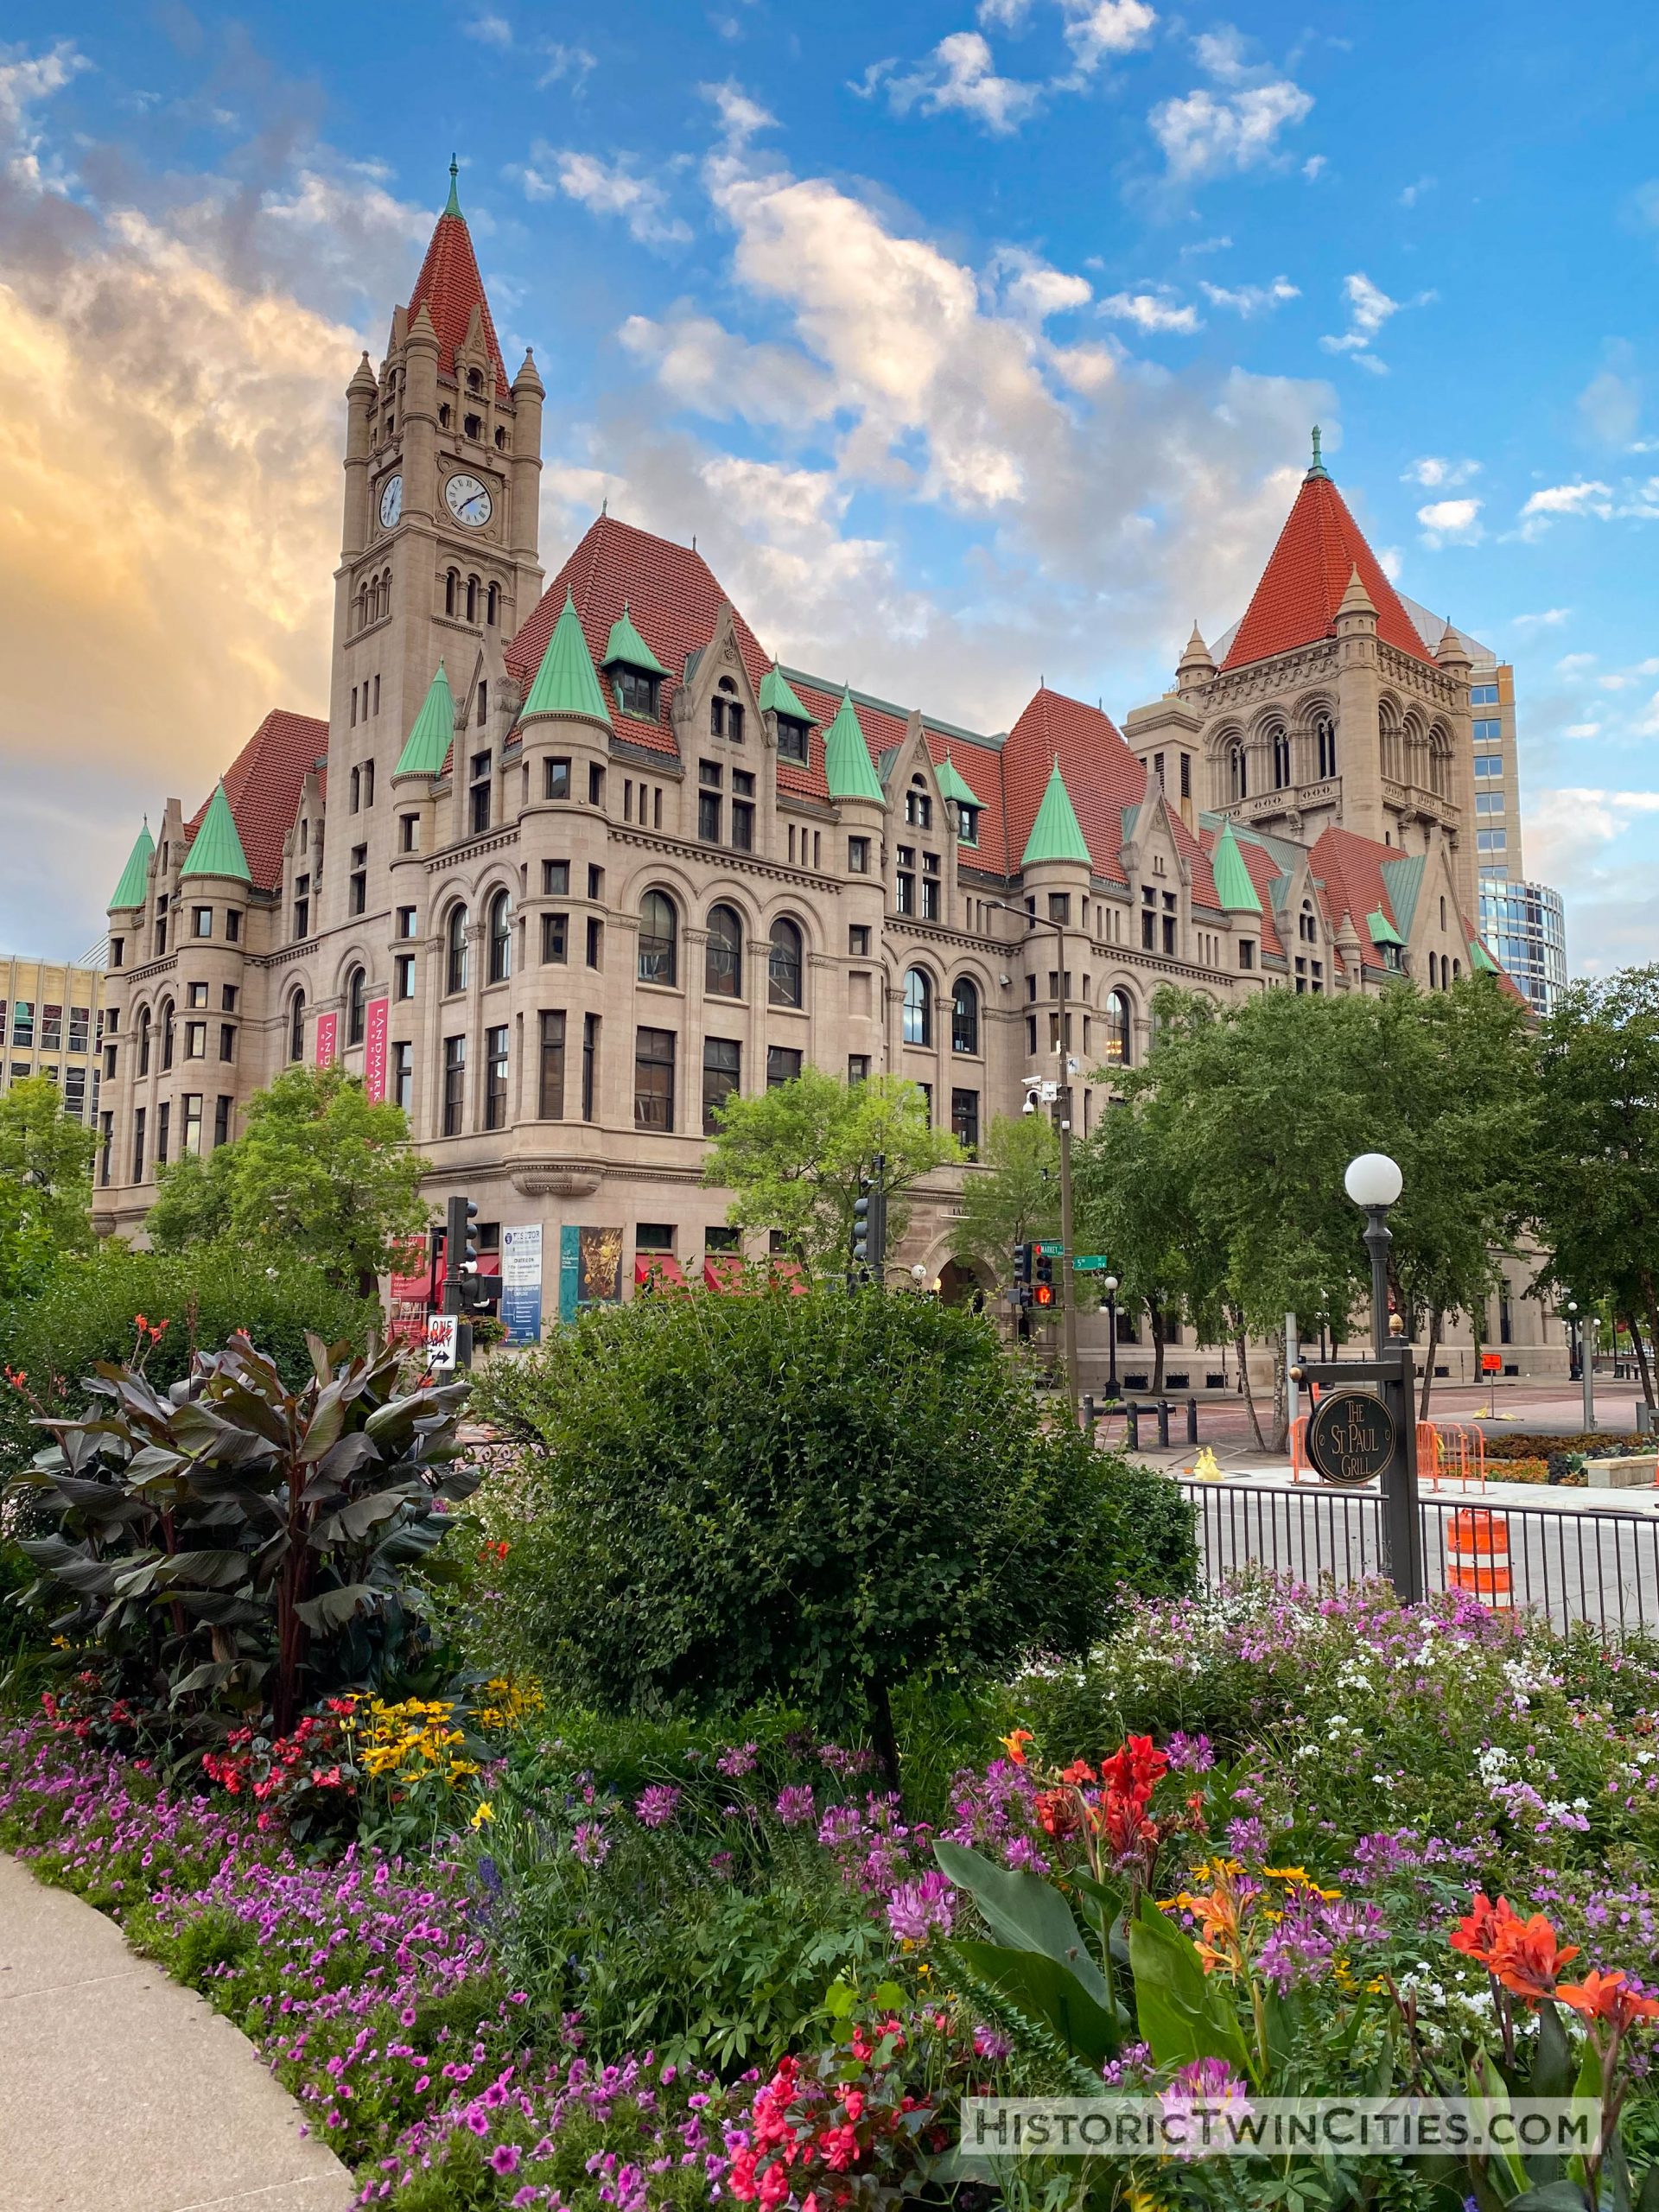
pixel 1587 1361
pixel 1373 1182
pixel 1068 1299
pixel 1111 1336
pixel 1574 1356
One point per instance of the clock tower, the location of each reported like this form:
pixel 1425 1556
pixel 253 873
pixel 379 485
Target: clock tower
pixel 439 544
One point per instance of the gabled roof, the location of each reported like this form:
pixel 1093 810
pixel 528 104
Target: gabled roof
pixel 1056 835
pixel 450 288
pixel 1302 585
pixel 566 683
pixel 432 732
pixel 133 887
pixel 1404 878
pixel 625 645
pixel 216 850
pixel 1235 892
pixel 849 770
pixel 263 785
pixel 1383 930
pixel 953 784
pixel 777 698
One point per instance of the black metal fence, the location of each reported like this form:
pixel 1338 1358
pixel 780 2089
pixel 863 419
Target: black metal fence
pixel 1567 1564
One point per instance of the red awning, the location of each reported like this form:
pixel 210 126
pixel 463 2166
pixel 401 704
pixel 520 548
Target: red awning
pixel 658 1269
pixel 792 1275
pixel 723 1270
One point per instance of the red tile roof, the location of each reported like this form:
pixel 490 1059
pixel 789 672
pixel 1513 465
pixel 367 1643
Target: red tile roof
pixel 450 288
pixel 263 785
pixel 1296 602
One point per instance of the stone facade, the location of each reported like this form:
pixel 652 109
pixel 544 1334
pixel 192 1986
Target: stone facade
pixel 562 868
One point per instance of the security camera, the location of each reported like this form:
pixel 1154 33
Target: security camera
pixel 1030 1106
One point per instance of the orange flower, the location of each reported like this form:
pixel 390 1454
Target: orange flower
pixel 1079 1771
pixel 1057 1810
pixel 1476 1932
pixel 1218 1941
pixel 1526 1958
pixel 1014 1744
pixel 1608 1997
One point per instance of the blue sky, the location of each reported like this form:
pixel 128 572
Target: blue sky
pixel 975 344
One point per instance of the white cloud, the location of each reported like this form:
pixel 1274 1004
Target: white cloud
pixel 1414 192
pixel 1610 406
pixel 1005 15
pixel 1392 562
pixel 1314 167
pixel 1582 730
pixel 1095 28
pixel 1251 300
pixel 490 31
pixel 571 65
pixel 608 188
pixel 1437 474
pixel 960 75
pixel 1574 664
pixel 1216 134
pixel 1027 287
pixel 702 365
pixel 1450 522
pixel 1551 618
pixel 1368 308
pixel 26 81
pixel 740 117
pixel 1150 311
pixel 1585 496
pixel 1217 244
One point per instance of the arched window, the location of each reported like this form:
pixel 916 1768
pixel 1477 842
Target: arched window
pixel 722 966
pixel 451 585
pixel 918 807
pixel 472 599
pixel 165 1020
pixel 1388 730
pixel 919 1007
pixel 297 1026
pixel 1325 739
pixel 1440 764
pixel 1433 971
pixel 1238 775
pixel 659 939
pixel 500 918
pixel 474 380
pixel 456 950
pixel 1278 737
pixel 1457 969
pixel 784 963
pixel 357 1007
pixel 492 605
pixel 144 1042
pixel 1116 1019
pixel 964 1017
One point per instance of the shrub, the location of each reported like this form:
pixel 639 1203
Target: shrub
pixel 809 1498
pixel 1523 1444
pixel 86 1313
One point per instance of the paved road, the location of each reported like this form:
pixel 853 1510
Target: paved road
pixel 122 2092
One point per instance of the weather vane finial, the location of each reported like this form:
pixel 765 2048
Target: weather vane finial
pixel 453 206
pixel 1319 468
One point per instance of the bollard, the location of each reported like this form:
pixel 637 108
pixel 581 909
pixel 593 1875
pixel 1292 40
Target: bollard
pixel 1089 1414
pixel 1163 1423
pixel 1132 1427
pixel 1191 1421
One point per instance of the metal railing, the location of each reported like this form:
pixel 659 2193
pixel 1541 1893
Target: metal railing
pixel 1566 1564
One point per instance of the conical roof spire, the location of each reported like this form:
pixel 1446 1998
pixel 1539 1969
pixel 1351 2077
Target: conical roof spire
pixel 565 683
pixel 216 848
pixel 625 645
pixel 427 747
pixel 1318 467
pixel 1296 604
pixel 1235 892
pixel 777 696
pixel 451 290
pixel 134 877
pixel 954 784
pixel 1356 599
pixel 452 206
pixel 1056 835
pixel 848 768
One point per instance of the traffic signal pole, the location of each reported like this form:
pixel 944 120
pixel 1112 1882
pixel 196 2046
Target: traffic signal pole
pixel 1068 1272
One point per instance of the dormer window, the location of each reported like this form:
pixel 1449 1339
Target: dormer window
pixel 636 692
pixel 794 739
pixel 474 380
pixel 968 824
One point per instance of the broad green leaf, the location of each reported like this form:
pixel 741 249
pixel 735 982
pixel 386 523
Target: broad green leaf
pixel 1024 1910
pixel 333 1608
pixel 1181 2010
pixel 1040 1986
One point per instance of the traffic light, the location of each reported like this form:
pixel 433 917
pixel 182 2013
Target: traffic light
pixel 1023 1256
pixel 869 1238
pixel 461 1293
pixel 1042 1289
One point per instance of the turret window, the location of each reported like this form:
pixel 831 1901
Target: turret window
pixel 1279 740
pixel 794 739
pixel 1239 774
pixel 500 967
pixel 918 1024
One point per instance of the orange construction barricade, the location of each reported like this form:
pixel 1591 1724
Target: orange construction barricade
pixel 1478 1556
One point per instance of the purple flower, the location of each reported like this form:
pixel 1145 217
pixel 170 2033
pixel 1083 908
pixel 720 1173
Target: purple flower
pixel 503 2159
pixel 740 1759
pixel 1190 2105
pixel 1190 1754
pixel 795 1807
pixel 916 1909
pixel 990 2044
pixel 590 1843
pixel 656 1807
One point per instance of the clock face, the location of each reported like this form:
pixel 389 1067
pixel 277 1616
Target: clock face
pixel 391 502
pixel 469 500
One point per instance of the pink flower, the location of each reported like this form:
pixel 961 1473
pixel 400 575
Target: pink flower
pixel 795 1807
pixel 656 1807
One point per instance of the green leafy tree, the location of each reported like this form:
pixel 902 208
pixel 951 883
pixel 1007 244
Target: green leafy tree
pixel 1596 1157
pixel 45 1184
pixel 1014 1196
pixel 815 1499
pixel 321 1172
pixel 795 1157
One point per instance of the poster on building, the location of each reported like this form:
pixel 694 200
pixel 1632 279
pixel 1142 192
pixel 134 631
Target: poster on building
pixel 521 1283
pixel 570 1270
pixel 601 1266
pixel 374 1050
pixel 328 1033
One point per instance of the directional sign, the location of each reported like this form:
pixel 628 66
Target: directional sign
pixel 1052 1251
pixel 442 1332
pixel 1351 1437
pixel 1088 1260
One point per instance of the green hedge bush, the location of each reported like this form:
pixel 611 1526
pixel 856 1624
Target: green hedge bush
pixel 811 1499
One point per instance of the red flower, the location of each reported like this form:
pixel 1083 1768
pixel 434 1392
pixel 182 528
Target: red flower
pixel 1057 1810
pixel 1079 1771
pixel 1477 1930
pixel 1014 1744
pixel 1608 1997
pixel 1526 1956
pixel 1135 1767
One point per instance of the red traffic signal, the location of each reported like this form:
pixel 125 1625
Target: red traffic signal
pixel 1042 1294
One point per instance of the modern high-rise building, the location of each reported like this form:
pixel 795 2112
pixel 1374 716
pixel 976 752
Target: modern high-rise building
pixel 53 1026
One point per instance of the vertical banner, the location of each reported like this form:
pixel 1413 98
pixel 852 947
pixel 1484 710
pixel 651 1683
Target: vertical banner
pixel 328 1033
pixel 374 1050
pixel 521 1283
pixel 570 1271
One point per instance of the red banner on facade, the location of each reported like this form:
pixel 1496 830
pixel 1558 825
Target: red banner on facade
pixel 374 1050
pixel 327 1034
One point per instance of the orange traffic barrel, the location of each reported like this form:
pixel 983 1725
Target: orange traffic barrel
pixel 1478 1556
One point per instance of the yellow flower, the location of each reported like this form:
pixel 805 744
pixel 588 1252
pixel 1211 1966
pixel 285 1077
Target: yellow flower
pixel 485 1811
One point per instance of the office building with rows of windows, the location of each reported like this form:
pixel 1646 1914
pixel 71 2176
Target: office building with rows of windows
pixel 568 866
pixel 54 1027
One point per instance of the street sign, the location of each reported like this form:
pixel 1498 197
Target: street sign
pixel 1049 1251
pixel 1088 1262
pixel 1351 1437
pixel 443 1333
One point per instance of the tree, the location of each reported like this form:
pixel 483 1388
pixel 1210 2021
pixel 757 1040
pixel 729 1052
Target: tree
pixel 320 1173
pixel 1015 1198
pixel 795 1157
pixel 726 1500
pixel 45 1184
pixel 1596 1194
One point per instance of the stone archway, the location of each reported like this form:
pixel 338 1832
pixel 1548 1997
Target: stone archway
pixel 960 1285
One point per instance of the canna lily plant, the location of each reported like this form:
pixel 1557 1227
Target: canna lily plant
pixel 233 1550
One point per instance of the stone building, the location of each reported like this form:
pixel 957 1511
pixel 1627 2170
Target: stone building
pixel 566 866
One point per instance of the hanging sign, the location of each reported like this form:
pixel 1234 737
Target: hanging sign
pixel 1351 1438
pixel 374 1050
pixel 327 1035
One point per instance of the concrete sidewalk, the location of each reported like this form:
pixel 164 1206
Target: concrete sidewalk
pixel 122 2092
